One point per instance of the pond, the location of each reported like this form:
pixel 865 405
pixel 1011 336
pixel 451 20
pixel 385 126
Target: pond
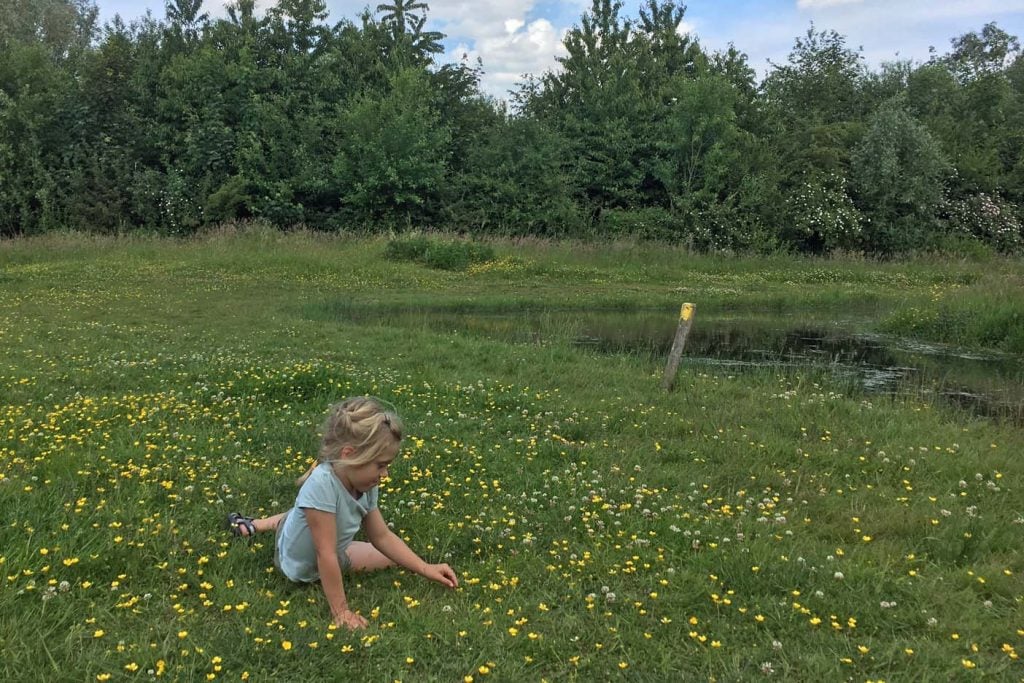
pixel 985 383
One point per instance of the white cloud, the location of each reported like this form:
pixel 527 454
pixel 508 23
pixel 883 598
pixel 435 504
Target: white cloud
pixel 218 9
pixel 532 48
pixel 502 36
pixel 465 18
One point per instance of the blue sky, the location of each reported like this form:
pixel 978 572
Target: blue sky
pixel 513 37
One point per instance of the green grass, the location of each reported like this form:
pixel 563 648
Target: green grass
pixel 602 529
pixel 989 314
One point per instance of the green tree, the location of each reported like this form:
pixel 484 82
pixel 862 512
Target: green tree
pixel 698 142
pixel 99 174
pixel 186 22
pixel 242 13
pixel 597 102
pixel 65 28
pixel 425 42
pixel 357 59
pixel 391 164
pixel 815 103
pixel 975 55
pixel 467 114
pixel 814 113
pixel 34 98
pixel 898 173
pixel 933 97
pixel 968 99
pixel 409 43
pixel 42 47
pixel 671 51
pixel 400 14
pixel 819 84
pixel 733 66
pixel 512 182
pixel 297 25
pixel 890 81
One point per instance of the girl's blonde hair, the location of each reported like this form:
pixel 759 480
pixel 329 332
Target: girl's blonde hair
pixel 363 423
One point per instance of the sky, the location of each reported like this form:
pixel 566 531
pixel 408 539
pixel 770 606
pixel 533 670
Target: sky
pixel 516 37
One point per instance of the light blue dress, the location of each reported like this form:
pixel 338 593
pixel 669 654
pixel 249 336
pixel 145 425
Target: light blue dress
pixel 295 552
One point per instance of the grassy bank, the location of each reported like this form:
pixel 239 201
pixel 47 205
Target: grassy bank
pixel 989 314
pixel 741 527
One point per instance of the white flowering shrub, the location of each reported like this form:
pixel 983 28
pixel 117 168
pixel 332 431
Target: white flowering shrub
pixel 822 216
pixel 987 218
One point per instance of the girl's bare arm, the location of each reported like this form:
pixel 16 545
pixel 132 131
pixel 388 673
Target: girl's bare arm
pixel 395 549
pixel 322 527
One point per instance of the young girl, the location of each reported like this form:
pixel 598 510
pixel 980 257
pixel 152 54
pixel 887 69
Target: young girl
pixel 338 495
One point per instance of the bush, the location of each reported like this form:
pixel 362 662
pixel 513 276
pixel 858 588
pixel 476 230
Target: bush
pixel 822 216
pixel 644 224
pixel 230 201
pixel 407 249
pixel 440 254
pixel 963 247
pixel 703 226
pixel 987 218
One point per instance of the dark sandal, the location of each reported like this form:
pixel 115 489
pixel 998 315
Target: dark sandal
pixel 237 521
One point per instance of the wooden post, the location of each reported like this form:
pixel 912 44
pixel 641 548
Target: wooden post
pixel 685 320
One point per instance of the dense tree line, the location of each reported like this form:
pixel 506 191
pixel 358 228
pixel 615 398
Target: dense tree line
pixel 175 124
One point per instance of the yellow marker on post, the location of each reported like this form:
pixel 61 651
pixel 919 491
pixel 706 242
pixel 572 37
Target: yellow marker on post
pixel 676 354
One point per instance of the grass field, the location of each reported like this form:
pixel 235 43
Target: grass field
pixel 742 527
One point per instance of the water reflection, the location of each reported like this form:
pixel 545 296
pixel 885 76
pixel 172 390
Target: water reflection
pixel 985 384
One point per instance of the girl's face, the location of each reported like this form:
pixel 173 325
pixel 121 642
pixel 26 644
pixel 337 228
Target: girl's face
pixel 361 478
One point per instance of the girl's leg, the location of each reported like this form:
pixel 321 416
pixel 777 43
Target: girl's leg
pixel 365 558
pixel 263 524
pixel 268 523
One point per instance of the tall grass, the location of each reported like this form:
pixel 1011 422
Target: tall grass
pixel 989 314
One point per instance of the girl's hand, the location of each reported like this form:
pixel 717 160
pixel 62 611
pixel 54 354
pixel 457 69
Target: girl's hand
pixel 441 573
pixel 350 620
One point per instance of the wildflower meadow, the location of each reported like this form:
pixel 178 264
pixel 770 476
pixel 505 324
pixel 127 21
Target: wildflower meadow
pixel 746 526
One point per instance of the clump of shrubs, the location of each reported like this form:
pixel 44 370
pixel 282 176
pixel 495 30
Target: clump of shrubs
pixel 987 218
pixel 438 253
